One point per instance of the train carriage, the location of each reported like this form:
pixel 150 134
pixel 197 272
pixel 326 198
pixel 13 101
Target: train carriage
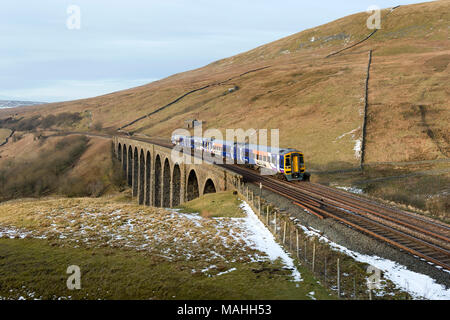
pixel 285 161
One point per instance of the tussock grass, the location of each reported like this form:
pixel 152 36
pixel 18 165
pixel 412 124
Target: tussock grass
pixel 64 119
pixel 4 133
pixel 33 269
pixel 222 204
pixel 71 166
pixel 126 251
pixel 42 174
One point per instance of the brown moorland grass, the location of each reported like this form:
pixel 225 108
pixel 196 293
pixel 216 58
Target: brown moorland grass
pixel 37 165
pixel 221 204
pixel 4 133
pixel 311 99
pixel 126 251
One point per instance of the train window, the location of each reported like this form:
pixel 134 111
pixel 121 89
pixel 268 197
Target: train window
pixel 302 161
pixel 288 161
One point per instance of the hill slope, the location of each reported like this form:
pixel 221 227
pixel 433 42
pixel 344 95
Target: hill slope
pixel 316 102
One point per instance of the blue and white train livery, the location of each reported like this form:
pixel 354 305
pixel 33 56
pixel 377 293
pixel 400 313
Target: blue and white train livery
pixel 285 161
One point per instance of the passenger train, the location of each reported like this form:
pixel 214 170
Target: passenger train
pixel 288 163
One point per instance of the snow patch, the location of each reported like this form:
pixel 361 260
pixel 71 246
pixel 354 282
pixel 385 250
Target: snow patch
pixel 357 148
pixel 225 272
pixel 358 142
pixel 351 189
pixel 352 132
pixel 261 239
pixel 418 285
pixel 311 295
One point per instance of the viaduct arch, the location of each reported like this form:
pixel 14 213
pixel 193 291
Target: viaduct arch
pixel 156 180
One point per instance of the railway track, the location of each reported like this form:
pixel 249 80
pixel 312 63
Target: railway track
pixel 426 227
pixel 416 235
pixel 420 236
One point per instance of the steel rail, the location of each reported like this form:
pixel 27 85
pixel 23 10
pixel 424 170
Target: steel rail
pixel 376 205
pixel 401 240
pixel 352 206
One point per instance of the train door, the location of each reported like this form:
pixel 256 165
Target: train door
pixel 297 161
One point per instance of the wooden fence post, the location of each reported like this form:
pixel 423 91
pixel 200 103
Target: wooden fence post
pixel 306 244
pixel 284 233
pixel 260 195
pixel 314 256
pixel 338 279
pixel 296 233
pixel 267 216
pixel 290 237
pixel 275 225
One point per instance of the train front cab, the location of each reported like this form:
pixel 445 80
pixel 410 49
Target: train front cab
pixel 294 166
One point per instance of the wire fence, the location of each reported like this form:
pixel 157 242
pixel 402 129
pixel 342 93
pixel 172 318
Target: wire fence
pixel 338 272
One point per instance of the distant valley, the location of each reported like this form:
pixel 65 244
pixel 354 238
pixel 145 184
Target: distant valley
pixel 13 103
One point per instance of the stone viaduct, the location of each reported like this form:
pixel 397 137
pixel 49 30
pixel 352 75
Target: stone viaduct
pixel 158 181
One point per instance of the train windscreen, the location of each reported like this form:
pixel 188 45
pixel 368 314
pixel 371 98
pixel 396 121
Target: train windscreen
pixel 288 161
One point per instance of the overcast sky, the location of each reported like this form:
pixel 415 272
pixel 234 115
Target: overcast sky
pixel 126 43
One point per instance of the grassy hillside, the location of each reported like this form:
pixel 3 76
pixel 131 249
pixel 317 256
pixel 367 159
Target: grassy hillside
pixel 35 165
pixel 316 102
pixel 4 133
pixel 126 251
